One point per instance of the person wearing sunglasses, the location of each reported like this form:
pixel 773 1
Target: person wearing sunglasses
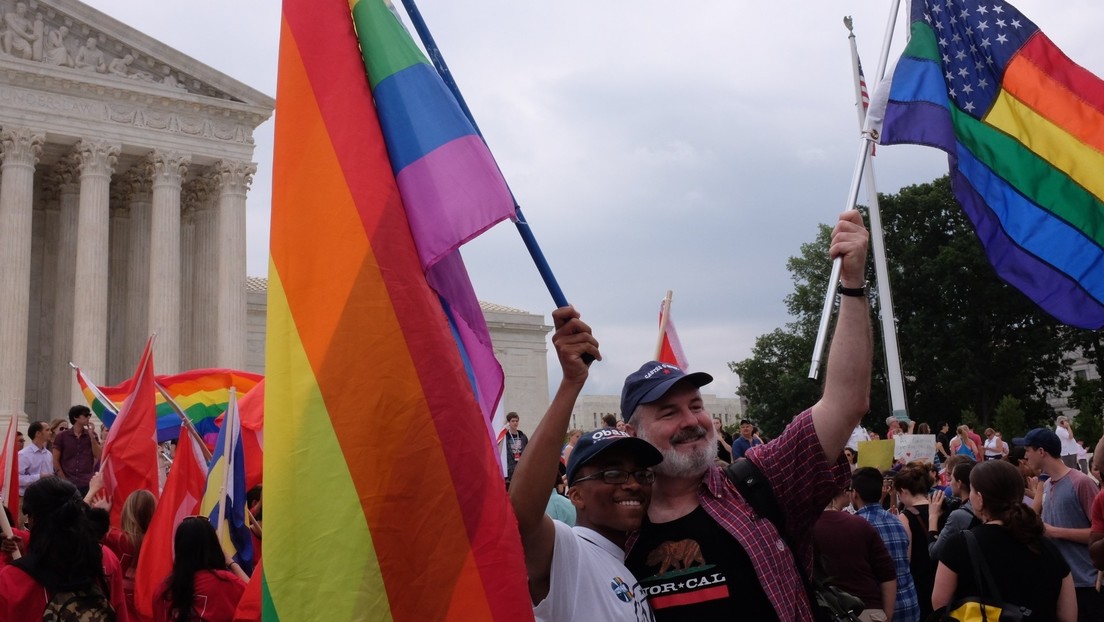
pixel 578 573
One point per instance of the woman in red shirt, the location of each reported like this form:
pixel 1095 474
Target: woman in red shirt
pixel 64 555
pixel 202 586
pixel 126 542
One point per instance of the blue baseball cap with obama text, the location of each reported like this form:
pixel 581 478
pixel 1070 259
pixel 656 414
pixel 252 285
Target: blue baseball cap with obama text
pixel 596 442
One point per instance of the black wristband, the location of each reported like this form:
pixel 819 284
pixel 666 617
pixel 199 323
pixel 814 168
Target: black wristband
pixel 855 292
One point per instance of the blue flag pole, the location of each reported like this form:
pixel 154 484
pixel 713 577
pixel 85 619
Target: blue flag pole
pixel 522 226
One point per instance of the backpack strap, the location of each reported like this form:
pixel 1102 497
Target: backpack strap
pixel 756 490
pixel 982 578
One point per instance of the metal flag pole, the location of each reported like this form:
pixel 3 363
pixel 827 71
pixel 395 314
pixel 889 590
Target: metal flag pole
pixel 877 243
pixel 866 142
pixel 522 226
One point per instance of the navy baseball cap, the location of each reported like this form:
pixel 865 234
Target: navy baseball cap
pixel 592 444
pixel 1045 439
pixel 652 381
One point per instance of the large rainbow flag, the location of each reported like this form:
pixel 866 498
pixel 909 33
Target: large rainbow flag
pixel 202 394
pixel 1023 127
pixel 383 498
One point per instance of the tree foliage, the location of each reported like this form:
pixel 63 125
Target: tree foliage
pixel 1008 418
pixel 967 339
pixel 1087 397
pixel 775 379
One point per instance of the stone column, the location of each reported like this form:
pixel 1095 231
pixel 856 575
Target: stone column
pixel 97 163
pixel 136 187
pixel 51 254
pixel 187 278
pixel 167 169
pixel 67 176
pixel 203 272
pixel 21 148
pixel 234 181
pixel 118 291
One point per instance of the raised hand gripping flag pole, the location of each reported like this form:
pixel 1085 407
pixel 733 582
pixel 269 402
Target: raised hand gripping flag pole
pixel 894 374
pixel 866 144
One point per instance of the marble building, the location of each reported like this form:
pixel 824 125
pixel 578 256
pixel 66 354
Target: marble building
pixel 124 169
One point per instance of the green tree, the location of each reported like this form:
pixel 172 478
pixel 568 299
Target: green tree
pixel 1087 396
pixel 775 379
pixel 966 338
pixel 1008 418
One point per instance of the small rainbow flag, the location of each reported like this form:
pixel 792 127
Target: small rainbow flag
pixel 202 394
pixel 1022 127
pixel 371 417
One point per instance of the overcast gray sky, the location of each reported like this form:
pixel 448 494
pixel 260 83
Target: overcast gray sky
pixel 652 145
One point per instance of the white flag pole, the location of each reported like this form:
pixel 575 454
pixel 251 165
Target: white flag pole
pixel 866 142
pixel 881 270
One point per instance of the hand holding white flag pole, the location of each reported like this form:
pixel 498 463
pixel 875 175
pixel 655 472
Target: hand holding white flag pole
pixel 894 375
pixel 866 142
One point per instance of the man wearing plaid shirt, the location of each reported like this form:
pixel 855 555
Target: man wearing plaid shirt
pixel 702 552
pixel 866 494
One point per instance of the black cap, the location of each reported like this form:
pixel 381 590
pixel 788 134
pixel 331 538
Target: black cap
pixel 592 444
pixel 652 381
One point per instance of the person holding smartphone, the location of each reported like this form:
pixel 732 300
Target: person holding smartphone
pixel 77 449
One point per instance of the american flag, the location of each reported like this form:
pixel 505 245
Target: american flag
pixel 862 88
pixel 975 43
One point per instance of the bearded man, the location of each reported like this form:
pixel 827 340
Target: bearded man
pixel 702 552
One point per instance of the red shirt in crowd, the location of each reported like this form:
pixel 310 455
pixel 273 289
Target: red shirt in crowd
pixel 22 598
pixel 119 542
pixel 217 593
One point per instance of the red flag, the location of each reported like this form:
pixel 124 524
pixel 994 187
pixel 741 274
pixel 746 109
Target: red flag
pixel 670 349
pixel 180 499
pixel 129 460
pixel 9 470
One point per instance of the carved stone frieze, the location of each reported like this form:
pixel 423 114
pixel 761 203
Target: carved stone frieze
pixel 60 40
pixel 127 114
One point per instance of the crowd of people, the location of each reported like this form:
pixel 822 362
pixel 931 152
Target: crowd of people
pixel 66 560
pixel 659 515
pixel 669 536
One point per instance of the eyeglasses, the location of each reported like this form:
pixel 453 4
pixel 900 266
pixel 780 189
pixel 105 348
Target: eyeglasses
pixel 616 476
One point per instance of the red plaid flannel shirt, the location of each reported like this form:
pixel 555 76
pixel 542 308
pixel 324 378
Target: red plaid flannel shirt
pixel 803 482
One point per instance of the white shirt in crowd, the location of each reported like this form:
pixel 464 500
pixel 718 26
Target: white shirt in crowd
pixel 589 581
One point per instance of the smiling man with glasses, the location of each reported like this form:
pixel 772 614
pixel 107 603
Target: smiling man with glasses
pixel 578 573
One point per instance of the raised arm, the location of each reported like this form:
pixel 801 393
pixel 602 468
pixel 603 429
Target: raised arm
pixel 535 474
pixel 846 396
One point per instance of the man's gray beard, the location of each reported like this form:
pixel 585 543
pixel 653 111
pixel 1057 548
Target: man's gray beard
pixel 678 464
